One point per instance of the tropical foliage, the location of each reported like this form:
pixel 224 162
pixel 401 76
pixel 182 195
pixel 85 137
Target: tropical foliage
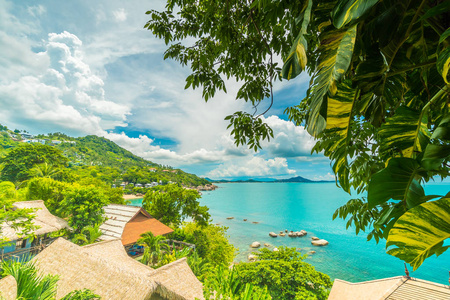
pixel 155 248
pixel 172 204
pixel 225 284
pixel 19 219
pixel 32 285
pixel 211 242
pixel 285 275
pixel 377 104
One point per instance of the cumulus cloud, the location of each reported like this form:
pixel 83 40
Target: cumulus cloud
pixel 289 140
pixel 66 95
pixel 255 167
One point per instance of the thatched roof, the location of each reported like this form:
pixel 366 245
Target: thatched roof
pixel 44 219
pixel 128 223
pixel 176 281
pixel 105 269
pixel 8 288
pixel 395 288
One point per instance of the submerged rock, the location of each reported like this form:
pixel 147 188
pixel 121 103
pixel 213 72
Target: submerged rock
pixel 245 220
pixel 319 242
pixel 255 245
pixel 255 222
pixel 315 238
pixel 266 244
pixel 252 257
pixel 282 234
pixel 230 218
pixel 273 234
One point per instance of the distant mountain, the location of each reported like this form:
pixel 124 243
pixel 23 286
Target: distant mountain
pixel 267 180
pixel 295 179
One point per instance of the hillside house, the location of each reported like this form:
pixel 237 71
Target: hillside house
pixel 127 223
pixel 46 222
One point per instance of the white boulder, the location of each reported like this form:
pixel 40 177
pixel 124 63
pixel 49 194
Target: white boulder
pixel 319 242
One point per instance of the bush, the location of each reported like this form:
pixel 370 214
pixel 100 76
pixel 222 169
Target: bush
pixel 285 275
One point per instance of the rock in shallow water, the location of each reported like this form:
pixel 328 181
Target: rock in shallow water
pixel 319 242
pixel 273 234
pixel 252 257
pixel 255 245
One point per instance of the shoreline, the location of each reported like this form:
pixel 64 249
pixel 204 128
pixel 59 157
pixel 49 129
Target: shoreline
pixel 131 197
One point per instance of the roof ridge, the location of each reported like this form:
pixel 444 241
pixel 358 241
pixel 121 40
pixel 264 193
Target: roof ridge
pixel 370 281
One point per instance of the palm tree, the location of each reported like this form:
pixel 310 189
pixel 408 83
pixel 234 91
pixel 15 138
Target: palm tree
pixel 88 235
pixel 44 170
pixel 31 285
pixel 154 248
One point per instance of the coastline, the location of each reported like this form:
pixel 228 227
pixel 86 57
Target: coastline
pixel 131 197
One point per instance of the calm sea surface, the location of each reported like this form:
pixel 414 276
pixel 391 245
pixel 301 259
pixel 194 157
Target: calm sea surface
pixel 310 206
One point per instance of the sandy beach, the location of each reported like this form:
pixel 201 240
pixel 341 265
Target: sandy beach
pixel 129 197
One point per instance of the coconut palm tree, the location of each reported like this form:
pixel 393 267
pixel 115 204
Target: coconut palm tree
pixel 88 235
pixel 32 285
pixel 44 170
pixel 154 248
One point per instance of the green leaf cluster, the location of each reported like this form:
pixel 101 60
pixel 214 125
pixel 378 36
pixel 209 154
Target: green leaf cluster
pixel 285 274
pixel 172 204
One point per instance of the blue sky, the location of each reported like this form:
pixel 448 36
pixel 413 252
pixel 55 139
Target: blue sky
pixel 89 67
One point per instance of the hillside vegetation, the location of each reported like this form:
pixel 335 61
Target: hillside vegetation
pixel 97 157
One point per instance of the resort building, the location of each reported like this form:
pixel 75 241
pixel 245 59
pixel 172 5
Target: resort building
pixel 46 223
pixel 108 271
pixel 395 288
pixel 127 223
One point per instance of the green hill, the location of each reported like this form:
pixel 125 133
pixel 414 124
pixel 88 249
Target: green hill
pixel 99 157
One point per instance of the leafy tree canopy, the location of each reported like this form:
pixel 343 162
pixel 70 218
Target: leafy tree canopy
pixel 285 275
pixel 19 161
pixel 377 104
pixel 171 204
pixel 211 242
pixel 19 219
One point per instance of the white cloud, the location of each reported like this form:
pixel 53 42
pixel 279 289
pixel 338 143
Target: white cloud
pixel 66 95
pixel 289 140
pixel 120 15
pixel 255 167
pixel 327 177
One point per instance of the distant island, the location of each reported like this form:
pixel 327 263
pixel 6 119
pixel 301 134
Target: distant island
pixel 269 180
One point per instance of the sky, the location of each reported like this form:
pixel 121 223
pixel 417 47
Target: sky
pixel 89 67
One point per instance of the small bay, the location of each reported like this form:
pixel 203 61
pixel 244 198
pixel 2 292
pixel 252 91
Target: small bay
pixel 310 206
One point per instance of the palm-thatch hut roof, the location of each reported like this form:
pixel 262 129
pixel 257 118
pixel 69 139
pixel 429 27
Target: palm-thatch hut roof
pixel 108 271
pixel 394 288
pixel 177 281
pixel 8 288
pixel 128 223
pixel 45 221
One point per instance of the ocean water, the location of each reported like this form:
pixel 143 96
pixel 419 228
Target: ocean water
pixel 310 206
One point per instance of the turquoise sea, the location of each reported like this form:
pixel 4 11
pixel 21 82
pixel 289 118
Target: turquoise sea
pixel 310 206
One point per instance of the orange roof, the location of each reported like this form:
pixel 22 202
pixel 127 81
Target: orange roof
pixel 140 224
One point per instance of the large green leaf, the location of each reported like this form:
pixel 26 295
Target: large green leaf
pixel 348 10
pixel 295 63
pixel 439 147
pixel 405 133
pixel 398 181
pixel 339 116
pixel 336 48
pixel 443 64
pixel 421 232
